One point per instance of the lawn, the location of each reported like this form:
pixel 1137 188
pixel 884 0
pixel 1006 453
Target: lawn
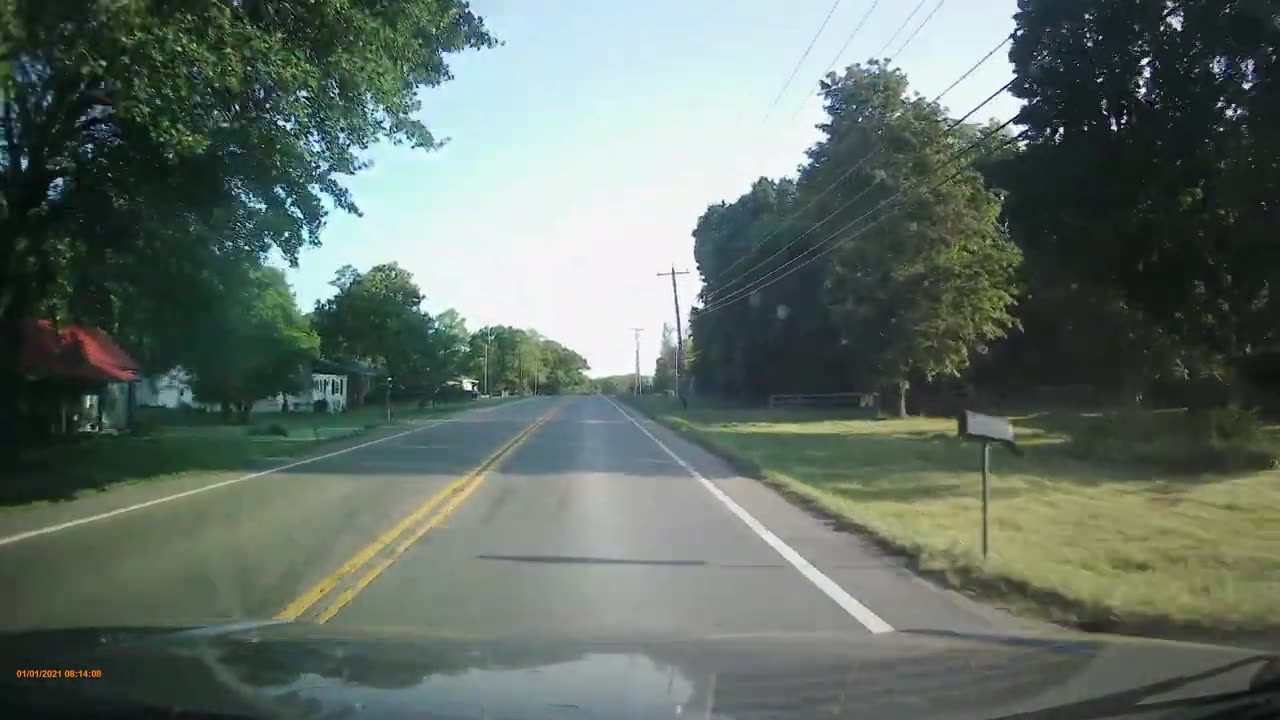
pixel 174 444
pixel 1107 520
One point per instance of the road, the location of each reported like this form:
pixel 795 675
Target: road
pixel 540 516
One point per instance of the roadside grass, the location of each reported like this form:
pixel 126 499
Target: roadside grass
pixel 1096 525
pixel 174 444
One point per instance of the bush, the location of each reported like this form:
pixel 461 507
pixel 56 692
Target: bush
pixel 1233 425
pixel 320 406
pixel 272 429
pixel 145 426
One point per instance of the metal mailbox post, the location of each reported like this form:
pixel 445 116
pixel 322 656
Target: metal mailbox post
pixel 987 429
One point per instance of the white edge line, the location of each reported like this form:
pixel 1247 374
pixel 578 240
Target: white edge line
pixel 205 488
pixel 860 612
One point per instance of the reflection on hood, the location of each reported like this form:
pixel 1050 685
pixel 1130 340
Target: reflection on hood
pixel 271 670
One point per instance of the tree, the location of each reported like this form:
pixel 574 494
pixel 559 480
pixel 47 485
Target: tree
pixel 614 384
pixel 1150 171
pixel 253 345
pixel 377 317
pixel 883 264
pixel 372 317
pixel 930 283
pixel 566 369
pixel 524 361
pixel 151 133
pixel 664 371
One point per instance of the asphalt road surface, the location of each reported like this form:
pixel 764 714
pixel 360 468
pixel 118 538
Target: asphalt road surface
pixel 539 516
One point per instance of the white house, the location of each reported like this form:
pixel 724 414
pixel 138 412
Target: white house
pixel 171 390
pixel 330 388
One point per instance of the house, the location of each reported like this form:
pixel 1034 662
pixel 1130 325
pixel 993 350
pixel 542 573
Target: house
pixel 343 385
pixel 460 387
pixel 80 378
pixel 170 390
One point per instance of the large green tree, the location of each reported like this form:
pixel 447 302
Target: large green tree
pixel 377 317
pixel 1151 174
pixel 138 132
pixel 253 345
pixel 882 262
pixel 926 281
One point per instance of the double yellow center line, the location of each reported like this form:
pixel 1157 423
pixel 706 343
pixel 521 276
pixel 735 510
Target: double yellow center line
pixel 378 555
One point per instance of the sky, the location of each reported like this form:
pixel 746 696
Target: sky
pixel 582 151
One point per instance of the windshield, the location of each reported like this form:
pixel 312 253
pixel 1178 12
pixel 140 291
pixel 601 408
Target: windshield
pixel 836 324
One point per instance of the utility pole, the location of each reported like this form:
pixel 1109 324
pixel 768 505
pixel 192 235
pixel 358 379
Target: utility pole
pixel 488 339
pixel 639 384
pixel 675 297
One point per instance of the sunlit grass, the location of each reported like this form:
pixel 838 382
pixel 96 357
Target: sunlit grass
pixel 1077 524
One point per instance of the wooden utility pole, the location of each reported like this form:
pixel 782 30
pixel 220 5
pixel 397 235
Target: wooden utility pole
pixel 488 339
pixel 675 297
pixel 639 388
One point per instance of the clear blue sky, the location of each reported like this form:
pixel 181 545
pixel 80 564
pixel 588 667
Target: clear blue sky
pixel 582 152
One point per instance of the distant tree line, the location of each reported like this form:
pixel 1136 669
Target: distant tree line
pixel 377 317
pixel 1121 235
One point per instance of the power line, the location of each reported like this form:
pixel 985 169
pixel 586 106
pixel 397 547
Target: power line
pixel 915 32
pixel 843 47
pixel 799 261
pixel 950 160
pixel 839 243
pixel 711 298
pixel 800 62
pixel 901 27
pixel 975 66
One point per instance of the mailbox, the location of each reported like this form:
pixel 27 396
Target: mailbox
pixel 986 427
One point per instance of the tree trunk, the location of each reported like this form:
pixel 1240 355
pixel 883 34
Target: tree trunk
pixel 902 398
pixel 224 412
pixel 245 409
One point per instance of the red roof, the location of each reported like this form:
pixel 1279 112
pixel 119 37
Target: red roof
pixel 74 352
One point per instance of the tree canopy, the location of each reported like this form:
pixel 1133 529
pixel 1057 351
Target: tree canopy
pixel 377 317
pixel 251 346
pixel 1124 239
pixel 145 141
pixel 856 299
pixel 510 360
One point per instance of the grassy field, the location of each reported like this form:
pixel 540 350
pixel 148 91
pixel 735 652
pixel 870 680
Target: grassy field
pixel 1097 524
pixel 175 444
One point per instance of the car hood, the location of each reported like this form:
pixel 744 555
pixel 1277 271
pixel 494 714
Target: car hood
pixel 298 669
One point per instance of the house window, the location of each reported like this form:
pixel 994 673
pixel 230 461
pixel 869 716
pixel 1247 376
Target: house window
pixel 342 386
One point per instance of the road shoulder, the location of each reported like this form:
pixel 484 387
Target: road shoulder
pixel 881 580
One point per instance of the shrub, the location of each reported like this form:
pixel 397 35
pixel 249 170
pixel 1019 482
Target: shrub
pixel 272 429
pixel 145 426
pixel 1233 425
pixel 320 406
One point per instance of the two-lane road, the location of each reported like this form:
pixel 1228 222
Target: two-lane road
pixel 542 516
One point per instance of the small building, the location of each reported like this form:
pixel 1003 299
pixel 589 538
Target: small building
pixel 343 385
pixel 169 390
pixel 78 378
